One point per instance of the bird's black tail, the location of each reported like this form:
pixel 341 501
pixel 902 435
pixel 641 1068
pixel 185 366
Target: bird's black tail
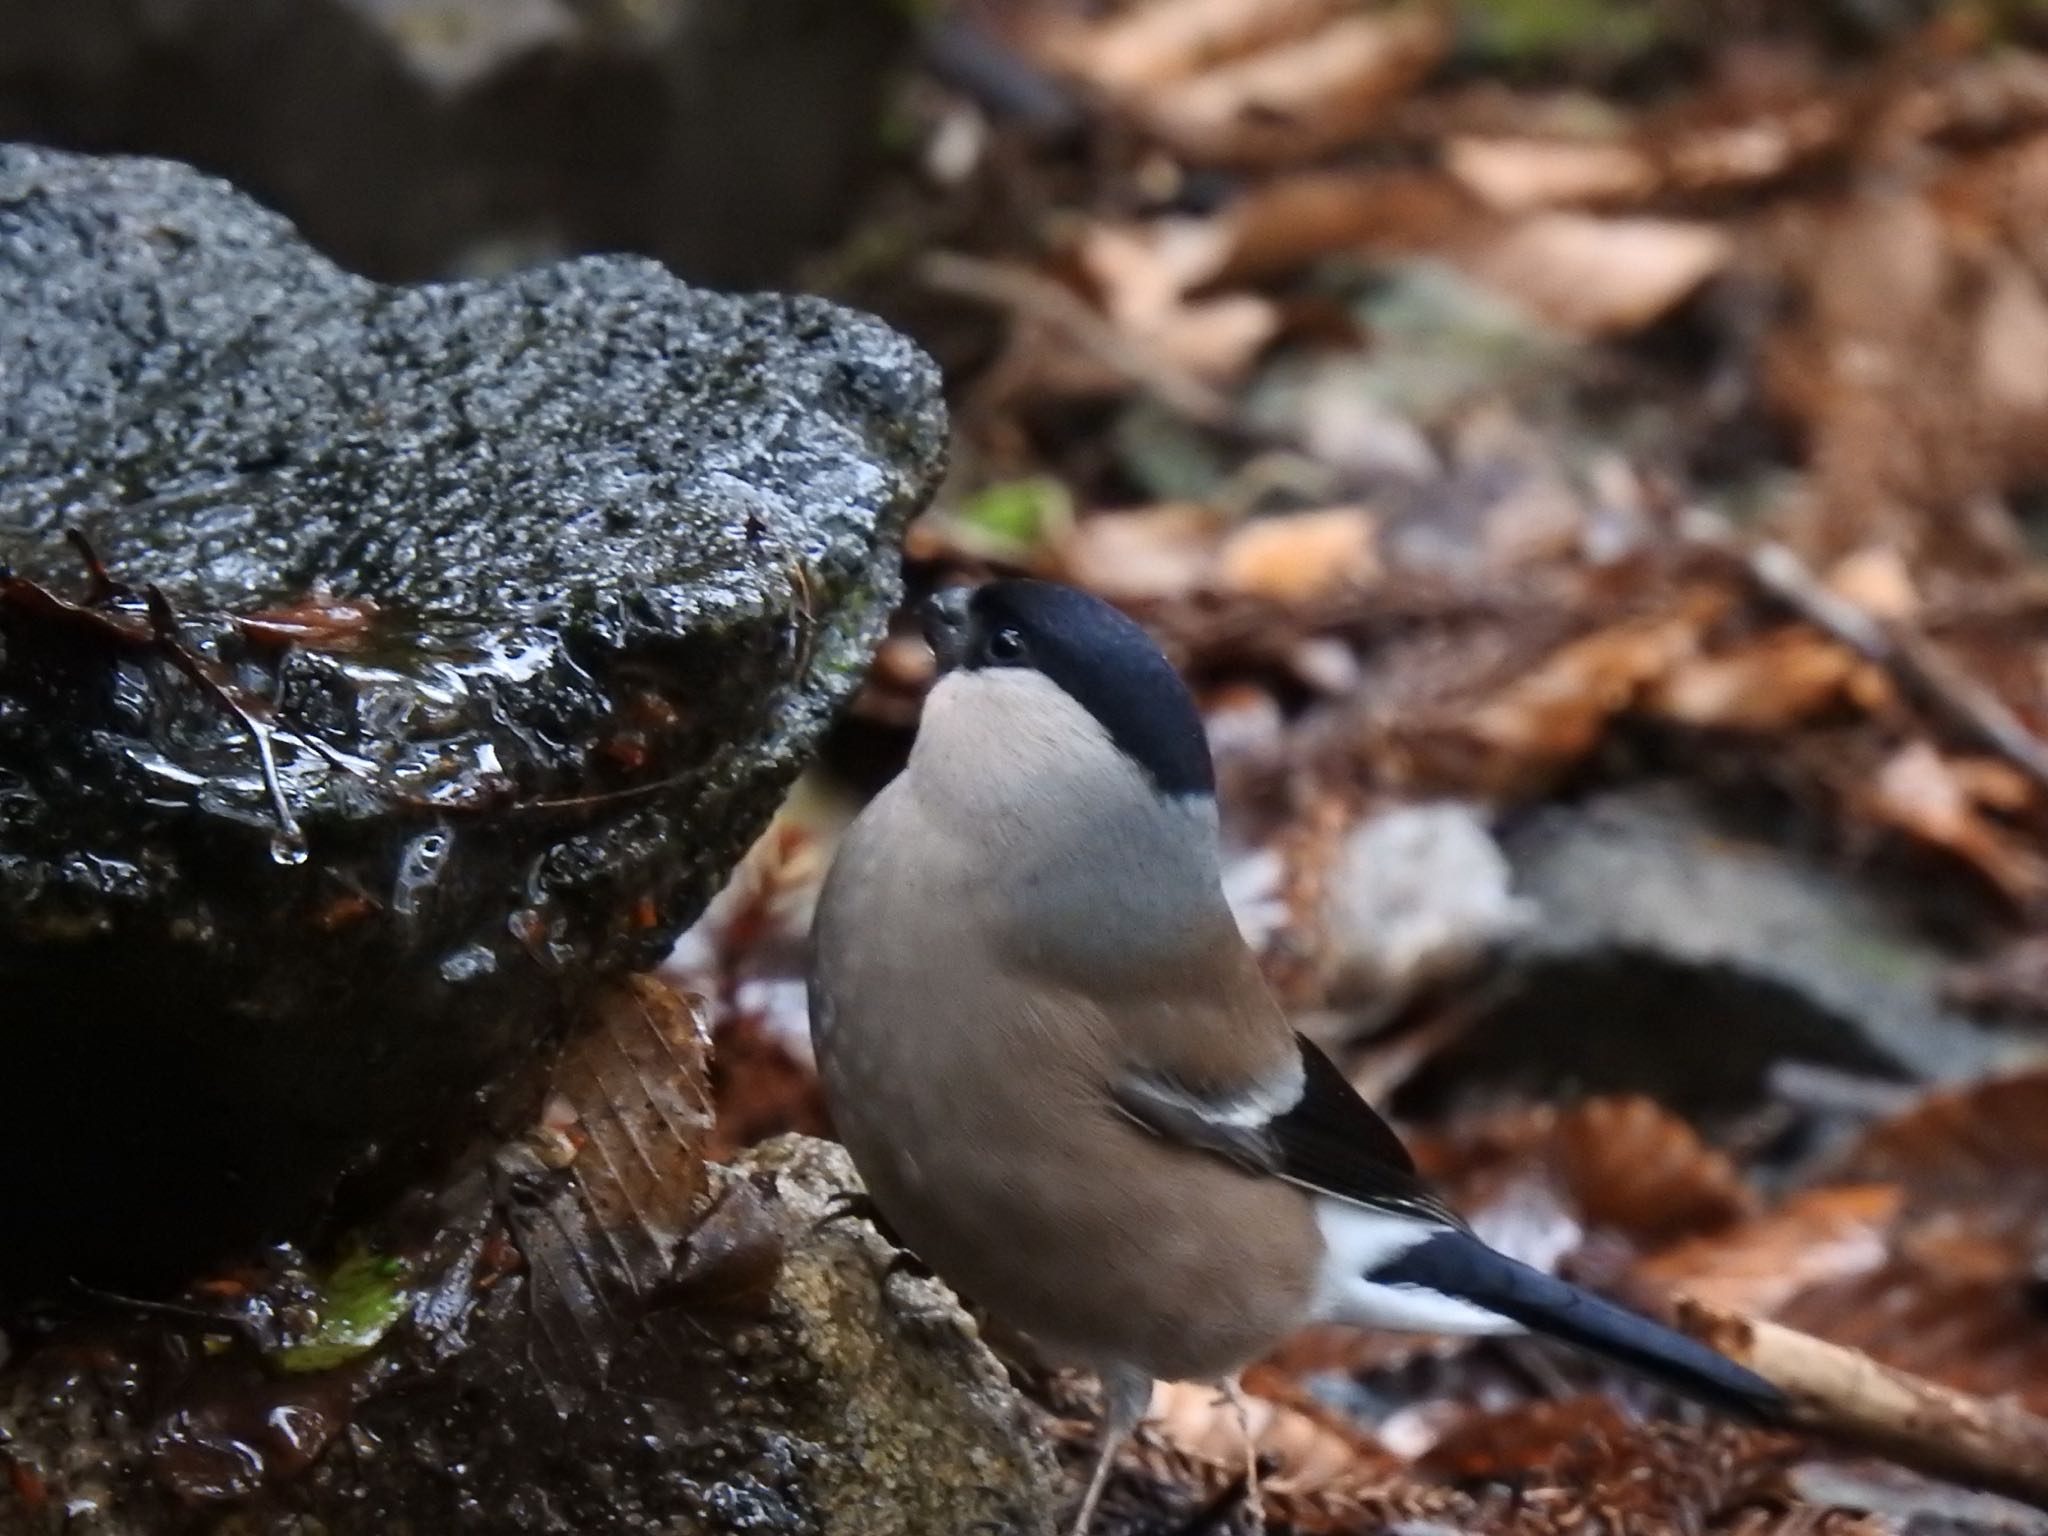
pixel 1458 1264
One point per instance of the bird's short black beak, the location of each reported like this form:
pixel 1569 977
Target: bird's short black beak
pixel 943 617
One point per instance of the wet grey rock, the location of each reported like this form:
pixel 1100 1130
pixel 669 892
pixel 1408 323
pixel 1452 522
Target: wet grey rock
pixel 1672 954
pixel 536 593
pixel 409 136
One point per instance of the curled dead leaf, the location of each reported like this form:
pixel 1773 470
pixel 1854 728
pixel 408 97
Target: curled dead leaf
pixel 1934 800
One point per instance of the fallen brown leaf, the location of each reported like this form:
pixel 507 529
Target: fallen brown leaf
pixel 1149 44
pixel 1302 97
pixel 1282 226
pixel 1768 683
pixel 1817 1237
pixel 1924 1253
pixel 1558 711
pixel 1611 1473
pixel 1299 555
pixel 1622 1164
pixel 760 1090
pixel 1877 581
pixel 1955 1303
pixel 1519 175
pixel 1927 796
pixel 1308 1451
pixel 1143 282
pixel 1599 276
pixel 1970 1141
pixel 1150 552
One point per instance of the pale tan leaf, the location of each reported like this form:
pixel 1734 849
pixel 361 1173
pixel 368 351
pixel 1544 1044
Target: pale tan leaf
pixel 1306 1452
pixel 1876 580
pixel 1142 280
pixel 1149 44
pixel 1599 276
pixel 1151 552
pixel 1521 175
pixel 1300 98
pixel 1299 555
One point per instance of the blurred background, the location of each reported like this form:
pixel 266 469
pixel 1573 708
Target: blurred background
pixel 1591 458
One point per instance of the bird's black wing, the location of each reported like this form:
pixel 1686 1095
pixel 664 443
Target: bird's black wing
pixel 1320 1135
pixel 1335 1143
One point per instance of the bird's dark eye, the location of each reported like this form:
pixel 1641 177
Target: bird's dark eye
pixel 1005 645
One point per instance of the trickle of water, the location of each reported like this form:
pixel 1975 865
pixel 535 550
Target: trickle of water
pixel 288 848
pixel 419 866
pixel 472 962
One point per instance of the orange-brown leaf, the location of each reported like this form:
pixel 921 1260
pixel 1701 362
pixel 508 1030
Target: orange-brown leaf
pixel 1766 684
pixel 1624 1164
pixel 1818 1237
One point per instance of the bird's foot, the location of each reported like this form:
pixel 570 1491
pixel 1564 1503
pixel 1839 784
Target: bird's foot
pixel 917 1314
pixel 849 1205
pixel 859 1205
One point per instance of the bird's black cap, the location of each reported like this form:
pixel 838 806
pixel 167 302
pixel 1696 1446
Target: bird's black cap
pixel 1097 656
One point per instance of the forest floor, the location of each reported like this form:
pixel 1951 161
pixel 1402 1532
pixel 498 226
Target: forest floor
pixel 1591 460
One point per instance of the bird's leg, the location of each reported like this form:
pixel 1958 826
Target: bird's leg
pixel 1254 1500
pixel 1126 1394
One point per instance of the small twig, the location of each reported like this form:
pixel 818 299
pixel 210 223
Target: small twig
pixel 1808 1085
pixel 1921 672
pixel 1844 1396
pixel 1053 304
pixel 182 1315
pixel 164 621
